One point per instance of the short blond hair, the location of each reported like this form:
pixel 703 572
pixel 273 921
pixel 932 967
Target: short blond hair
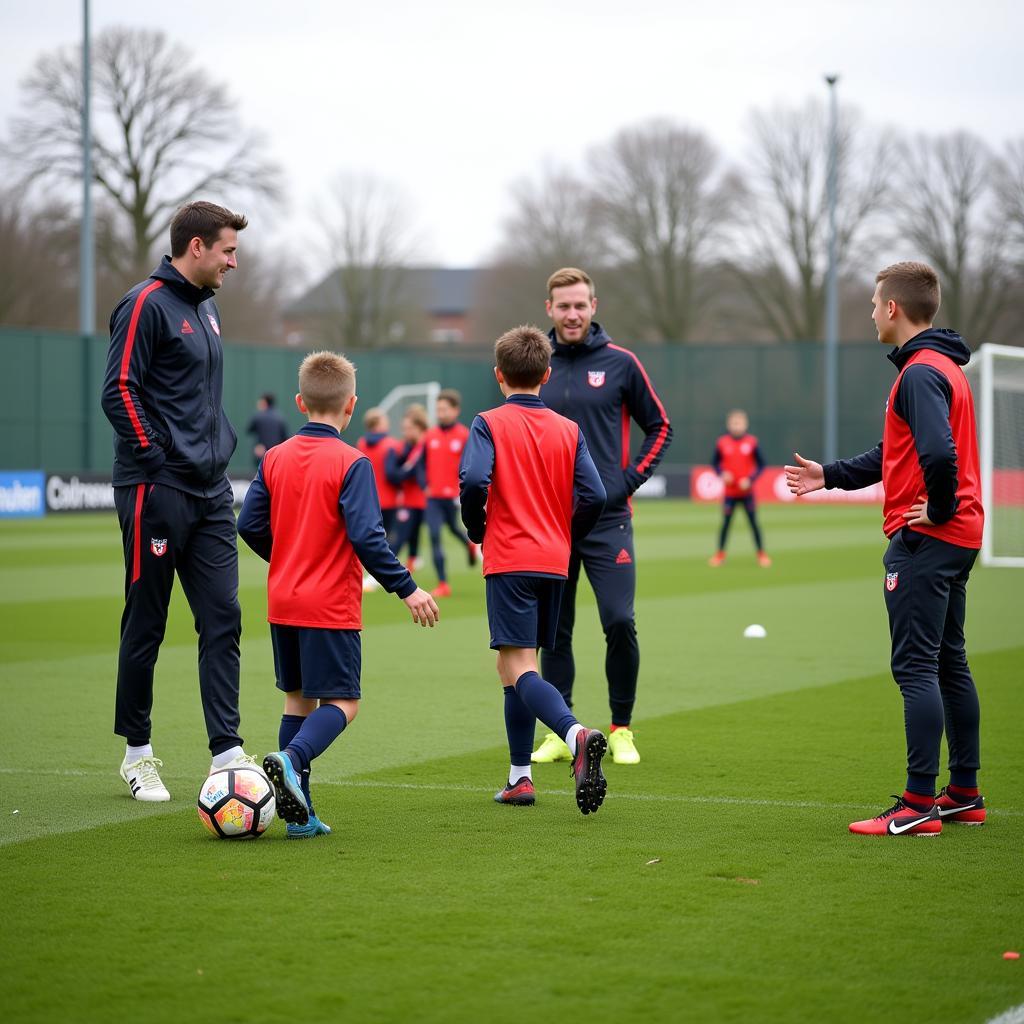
pixel 326 382
pixel 567 276
pixel 373 416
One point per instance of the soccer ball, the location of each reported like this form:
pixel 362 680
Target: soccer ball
pixel 237 803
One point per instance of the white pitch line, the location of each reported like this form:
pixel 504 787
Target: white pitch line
pixel 1014 1015
pixel 672 798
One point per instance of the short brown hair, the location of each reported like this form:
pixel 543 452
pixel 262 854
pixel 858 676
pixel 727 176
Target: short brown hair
pixel 914 287
pixel 373 416
pixel 202 220
pixel 418 415
pixel 567 276
pixel 451 396
pixel 523 355
pixel 326 381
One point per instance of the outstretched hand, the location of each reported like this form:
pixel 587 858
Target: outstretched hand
pixel 423 607
pixel 805 476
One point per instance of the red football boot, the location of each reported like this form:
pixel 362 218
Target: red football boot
pixel 441 590
pixel 716 559
pixel 972 812
pixel 900 820
pixel 522 794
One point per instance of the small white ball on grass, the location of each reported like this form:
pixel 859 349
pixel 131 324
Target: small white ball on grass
pixel 755 632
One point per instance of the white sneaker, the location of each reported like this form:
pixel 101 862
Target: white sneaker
pixel 242 760
pixel 144 780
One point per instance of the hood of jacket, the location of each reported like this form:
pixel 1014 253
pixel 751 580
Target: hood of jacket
pixel 597 338
pixel 939 339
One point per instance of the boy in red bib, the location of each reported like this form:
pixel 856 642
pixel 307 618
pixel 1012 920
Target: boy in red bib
pixel 529 488
pixel 738 461
pixel 927 462
pixel 312 512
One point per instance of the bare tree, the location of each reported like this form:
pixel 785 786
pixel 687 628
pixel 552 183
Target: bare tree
pixel 947 213
pixel 1009 184
pixel 38 250
pixel 664 199
pixel 551 223
pixel 163 134
pixel 781 248
pixel 369 240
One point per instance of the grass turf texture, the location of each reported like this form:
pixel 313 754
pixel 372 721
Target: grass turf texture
pixel 717 882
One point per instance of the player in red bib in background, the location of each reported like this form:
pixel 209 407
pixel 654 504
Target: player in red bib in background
pixel 443 446
pixel 376 445
pixel 406 469
pixel 927 462
pixel 738 461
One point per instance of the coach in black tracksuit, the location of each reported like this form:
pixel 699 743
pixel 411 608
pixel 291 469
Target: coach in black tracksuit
pixel 162 394
pixel 601 387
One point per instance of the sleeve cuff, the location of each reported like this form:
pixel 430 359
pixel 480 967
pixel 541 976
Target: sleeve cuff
pixel 829 471
pixel 406 589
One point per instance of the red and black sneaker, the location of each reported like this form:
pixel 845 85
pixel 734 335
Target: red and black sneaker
pixel 968 812
pixel 522 794
pixel 901 820
pixel 591 784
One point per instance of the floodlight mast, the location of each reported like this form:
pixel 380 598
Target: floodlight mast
pixel 86 262
pixel 831 425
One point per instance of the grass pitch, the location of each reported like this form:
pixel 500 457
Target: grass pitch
pixel 717 883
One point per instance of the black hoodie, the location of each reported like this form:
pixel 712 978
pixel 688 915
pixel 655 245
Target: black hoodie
pixel 163 387
pixel 923 401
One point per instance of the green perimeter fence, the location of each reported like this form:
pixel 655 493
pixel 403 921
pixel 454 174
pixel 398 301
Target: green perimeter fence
pixel 51 416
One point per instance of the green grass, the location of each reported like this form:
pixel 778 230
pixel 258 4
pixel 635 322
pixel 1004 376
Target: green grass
pixel 718 882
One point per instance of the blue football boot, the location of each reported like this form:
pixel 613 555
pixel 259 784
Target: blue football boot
pixel 314 827
pixel 291 801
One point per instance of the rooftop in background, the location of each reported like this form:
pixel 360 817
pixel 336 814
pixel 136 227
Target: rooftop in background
pixel 441 296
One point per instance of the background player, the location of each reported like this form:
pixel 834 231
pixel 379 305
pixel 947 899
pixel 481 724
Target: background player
pixel 376 445
pixel 163 396
pixel 267 427
pixel 601 386
pixel 529 486
pixel 738 461
pixel 443 445
pixel 927 462
pixel 406 470
pixel 312 512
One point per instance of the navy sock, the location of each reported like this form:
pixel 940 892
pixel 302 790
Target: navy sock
pixel 922 787
pixel 290 725
pixel 545 703
pixel 963 778
pixel 519 724
pixel 317 733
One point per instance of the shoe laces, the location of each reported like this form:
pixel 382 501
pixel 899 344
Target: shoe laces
pixel 147 769
pixel 900 805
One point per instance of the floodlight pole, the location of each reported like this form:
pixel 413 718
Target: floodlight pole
pixel 87 249
pixel 832 286
pixel 87 269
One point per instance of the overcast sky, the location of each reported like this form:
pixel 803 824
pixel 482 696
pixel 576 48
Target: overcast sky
pixel 454 100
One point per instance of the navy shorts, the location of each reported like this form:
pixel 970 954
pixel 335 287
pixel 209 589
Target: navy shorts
pixel 522 611
pixel 322 663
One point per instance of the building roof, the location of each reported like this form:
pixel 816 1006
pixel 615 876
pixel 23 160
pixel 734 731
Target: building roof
pixel 439 291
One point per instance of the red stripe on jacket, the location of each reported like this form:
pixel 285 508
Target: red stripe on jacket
pixel 126 357
pixel 140 491
pixel 659 441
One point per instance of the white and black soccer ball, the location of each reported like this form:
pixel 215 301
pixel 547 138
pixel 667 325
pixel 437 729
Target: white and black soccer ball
pixel 237 803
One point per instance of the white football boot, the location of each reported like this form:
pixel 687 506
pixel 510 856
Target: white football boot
pixel 242 760
pixel 144 780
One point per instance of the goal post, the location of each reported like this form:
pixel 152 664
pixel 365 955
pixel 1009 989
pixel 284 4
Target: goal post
pixel 996 373
pixel 400 397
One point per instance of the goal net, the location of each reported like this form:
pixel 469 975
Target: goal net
pixel 996 373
